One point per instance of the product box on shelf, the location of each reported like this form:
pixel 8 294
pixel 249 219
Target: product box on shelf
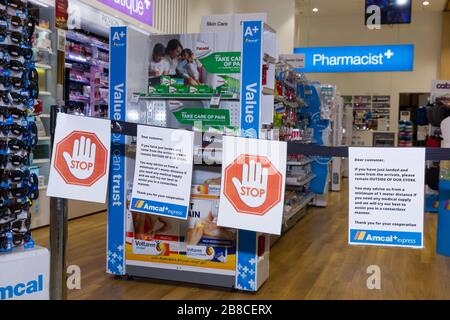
pixel 158 89
pixel 197 243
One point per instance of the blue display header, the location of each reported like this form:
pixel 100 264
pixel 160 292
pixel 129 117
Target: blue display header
pixel 383 58
pixel 251 78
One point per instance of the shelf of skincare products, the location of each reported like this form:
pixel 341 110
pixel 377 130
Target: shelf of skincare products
pixel 87 72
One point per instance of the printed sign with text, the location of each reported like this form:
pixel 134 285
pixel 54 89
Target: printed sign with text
pixel 386 193
pixel 163 174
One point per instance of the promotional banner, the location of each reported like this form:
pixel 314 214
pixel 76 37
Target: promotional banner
pixel 382 58
pixel 253 184
pixel 209 64
pixel 386 197
pixel 163 174
pixel 80 159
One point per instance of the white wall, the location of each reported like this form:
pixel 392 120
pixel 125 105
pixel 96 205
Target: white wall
pixel 341 30
pixel 281 15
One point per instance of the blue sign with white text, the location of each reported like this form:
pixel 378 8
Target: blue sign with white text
pixel 251 78
pixel 117 199
pixel 387 238
pixel 382 58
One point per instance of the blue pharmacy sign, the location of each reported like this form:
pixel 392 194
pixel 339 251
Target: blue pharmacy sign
pixel 382 58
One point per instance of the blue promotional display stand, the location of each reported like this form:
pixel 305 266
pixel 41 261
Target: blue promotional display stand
pixel 129 52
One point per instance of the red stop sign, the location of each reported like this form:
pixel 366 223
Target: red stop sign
pixel 253 185
pixel 81 159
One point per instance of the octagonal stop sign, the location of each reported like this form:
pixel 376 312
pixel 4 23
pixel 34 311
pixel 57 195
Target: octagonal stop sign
pixel 253 185
pixel 81 159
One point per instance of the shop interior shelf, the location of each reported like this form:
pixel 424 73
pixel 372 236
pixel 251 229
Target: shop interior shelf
pixel 300 163
pixel 184 96
pixel 303 182
pixel 301 205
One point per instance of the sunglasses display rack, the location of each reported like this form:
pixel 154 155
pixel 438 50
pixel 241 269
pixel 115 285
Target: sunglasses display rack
pixel 18 132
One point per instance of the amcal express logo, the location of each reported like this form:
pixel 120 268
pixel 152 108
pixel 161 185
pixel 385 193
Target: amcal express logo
pixel 370 237
pixel 142 205
pixel 22 288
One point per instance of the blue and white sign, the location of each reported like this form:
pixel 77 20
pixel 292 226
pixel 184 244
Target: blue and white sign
pixel 117 199
pixel 24 274
pixel 163 172
pixel 386 197
pixel 382 58
pixel 251 78
pixel 251 87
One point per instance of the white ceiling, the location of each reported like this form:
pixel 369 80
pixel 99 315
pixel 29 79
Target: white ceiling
pixel 351 7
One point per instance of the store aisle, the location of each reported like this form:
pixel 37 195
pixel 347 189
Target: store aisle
pixel 313 261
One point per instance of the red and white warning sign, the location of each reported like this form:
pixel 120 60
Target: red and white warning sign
pixel 80 159
pixel 253 184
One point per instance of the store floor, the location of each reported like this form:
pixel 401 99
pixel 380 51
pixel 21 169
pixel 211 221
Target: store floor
pixel 312 261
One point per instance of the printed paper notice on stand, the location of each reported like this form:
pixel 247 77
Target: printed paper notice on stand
pixel 163 174
pixel 386 197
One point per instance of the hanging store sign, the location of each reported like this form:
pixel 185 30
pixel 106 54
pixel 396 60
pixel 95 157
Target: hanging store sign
pixel 253 184
pixel 61 14
pixel 386 197
pixel 80 159
pixel 141 10
pixel 382 58
pixel 163 172
pixel 297 61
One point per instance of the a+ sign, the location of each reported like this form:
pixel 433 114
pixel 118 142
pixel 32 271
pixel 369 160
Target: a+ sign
pixel 122 34
pixel 389 54
pixel 255 29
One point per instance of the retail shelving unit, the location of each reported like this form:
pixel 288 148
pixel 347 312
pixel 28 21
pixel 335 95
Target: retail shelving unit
pixel 370 112
pixel 87 74
pixel 247 263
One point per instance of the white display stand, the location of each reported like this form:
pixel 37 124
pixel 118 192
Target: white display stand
pixel 25 274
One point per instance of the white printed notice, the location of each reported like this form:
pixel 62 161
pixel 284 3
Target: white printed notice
pixel 386 197
pixel 163 174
